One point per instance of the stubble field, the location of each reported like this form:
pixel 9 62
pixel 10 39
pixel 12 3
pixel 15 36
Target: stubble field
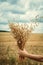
pixel 9 49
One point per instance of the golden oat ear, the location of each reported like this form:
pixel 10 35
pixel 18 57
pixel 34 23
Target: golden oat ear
pixel 17 33
pixel 20 33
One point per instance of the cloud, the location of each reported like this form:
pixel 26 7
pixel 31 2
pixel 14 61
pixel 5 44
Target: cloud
pixel 22 18
pixel 27 17
pixel 35 4
pixel 3 19
pixel 2 0
pixel 7 7
pixel 40 8
pixel 12 1
pixel 38 29
pixel 20 11
pixel 4 27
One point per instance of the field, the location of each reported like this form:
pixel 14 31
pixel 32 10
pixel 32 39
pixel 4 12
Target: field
pixel 9 49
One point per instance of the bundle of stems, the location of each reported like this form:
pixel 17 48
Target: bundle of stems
pixel 21 33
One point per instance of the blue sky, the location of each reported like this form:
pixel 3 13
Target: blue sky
pixel 21 11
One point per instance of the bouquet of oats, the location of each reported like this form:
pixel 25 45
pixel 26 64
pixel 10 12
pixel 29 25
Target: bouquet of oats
pixel 21 33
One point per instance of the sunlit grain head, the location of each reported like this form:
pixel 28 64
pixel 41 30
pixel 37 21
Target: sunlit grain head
pixel 21 32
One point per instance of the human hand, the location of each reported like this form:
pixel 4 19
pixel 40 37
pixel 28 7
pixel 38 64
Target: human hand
pixel 22 54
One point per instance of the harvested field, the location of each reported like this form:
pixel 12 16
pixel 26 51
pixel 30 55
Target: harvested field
pixel 9 49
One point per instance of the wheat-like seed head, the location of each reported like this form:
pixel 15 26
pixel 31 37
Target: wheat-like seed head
pixel 21 32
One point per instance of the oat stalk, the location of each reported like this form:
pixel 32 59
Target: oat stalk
pixel 21 32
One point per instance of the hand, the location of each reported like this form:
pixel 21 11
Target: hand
pixel 23 53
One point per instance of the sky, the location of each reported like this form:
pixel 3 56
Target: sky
pixel 21 11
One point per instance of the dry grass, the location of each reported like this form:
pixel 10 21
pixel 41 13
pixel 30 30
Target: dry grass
pixel 21 32
pixel 9 49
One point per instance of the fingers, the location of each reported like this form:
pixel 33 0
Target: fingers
pixel 21 58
